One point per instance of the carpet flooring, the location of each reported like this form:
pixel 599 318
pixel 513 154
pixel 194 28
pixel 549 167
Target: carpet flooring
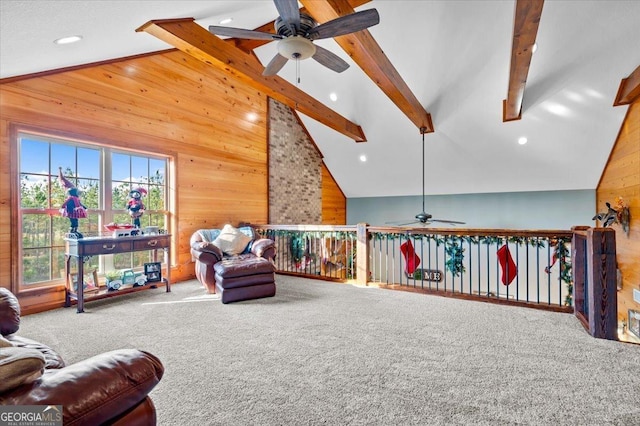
pixel 321 353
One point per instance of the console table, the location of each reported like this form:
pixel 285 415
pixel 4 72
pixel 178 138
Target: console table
pixel 83 248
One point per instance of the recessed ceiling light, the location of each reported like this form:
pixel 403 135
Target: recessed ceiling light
pixel 68 40
pixel 226 21
pixel 522 140
pixel 557 109
pixel 534 48
pixel 594 93
pixel 363 158
pixel 576 97
pixel 333 96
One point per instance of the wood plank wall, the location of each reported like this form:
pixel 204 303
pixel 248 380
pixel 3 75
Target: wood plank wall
pixel 621 178
pixel 169 104
pixel 334 203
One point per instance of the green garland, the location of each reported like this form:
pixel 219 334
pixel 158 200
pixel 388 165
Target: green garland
pixel 296 247
pixel 564 256
pixel 453 263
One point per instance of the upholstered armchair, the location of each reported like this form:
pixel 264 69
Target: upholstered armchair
pixel 210 246
pixel 109 388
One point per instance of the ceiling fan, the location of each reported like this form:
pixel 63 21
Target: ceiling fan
pixel 296 32
pixel 423 217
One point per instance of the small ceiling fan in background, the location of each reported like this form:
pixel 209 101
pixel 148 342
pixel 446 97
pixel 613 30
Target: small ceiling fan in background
pixel 296 32
pixel 423 217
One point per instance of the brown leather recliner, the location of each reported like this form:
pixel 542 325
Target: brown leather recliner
pixel 110 388
pixel 206 254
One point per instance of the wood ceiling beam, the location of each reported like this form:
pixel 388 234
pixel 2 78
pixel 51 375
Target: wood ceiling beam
pixel 629 90
pixel 366 52
pixel 525 30
pixel 248 45
pixel 191 38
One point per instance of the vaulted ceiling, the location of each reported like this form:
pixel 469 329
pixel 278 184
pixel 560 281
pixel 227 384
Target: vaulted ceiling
pixel 462 72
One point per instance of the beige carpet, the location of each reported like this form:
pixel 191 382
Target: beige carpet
pixel 324 353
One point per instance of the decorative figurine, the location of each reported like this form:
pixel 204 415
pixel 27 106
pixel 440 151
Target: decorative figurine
pixel 607 218
pixel 135 205
pixel 72 207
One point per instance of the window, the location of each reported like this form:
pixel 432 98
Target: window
pixel 104 176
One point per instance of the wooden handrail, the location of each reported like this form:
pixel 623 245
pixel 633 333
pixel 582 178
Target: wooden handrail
pixel 580 230
pixel 308 228
pixel 546 233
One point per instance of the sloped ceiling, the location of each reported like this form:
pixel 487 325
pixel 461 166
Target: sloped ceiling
pixel 453 55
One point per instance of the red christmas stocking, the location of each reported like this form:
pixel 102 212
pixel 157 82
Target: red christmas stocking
pixel 554 259
pixel 410 257
pixel 509 269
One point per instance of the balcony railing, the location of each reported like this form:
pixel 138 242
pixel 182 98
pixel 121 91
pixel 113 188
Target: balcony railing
pixel 517 267
pixel 317 251
pixel 522 267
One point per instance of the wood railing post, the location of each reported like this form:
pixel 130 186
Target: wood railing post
pixel 578 271
pixel 603 296
pixel 362 254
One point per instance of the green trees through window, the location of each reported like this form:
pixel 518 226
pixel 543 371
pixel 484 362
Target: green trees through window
pixel 104 177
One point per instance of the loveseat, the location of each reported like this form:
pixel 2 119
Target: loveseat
pixel 228 246
pixel 110 388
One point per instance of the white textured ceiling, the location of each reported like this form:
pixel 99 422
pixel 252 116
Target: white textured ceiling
pixel 455 57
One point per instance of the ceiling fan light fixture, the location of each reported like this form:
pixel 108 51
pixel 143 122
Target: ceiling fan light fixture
pixel 296 47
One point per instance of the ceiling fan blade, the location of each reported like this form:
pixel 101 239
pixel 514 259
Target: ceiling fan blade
pixel 346 24
pixel 289 13
pixel 401 222
pixel 275 65
pixel 329 59
pixel 452 222
pixel 242 33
